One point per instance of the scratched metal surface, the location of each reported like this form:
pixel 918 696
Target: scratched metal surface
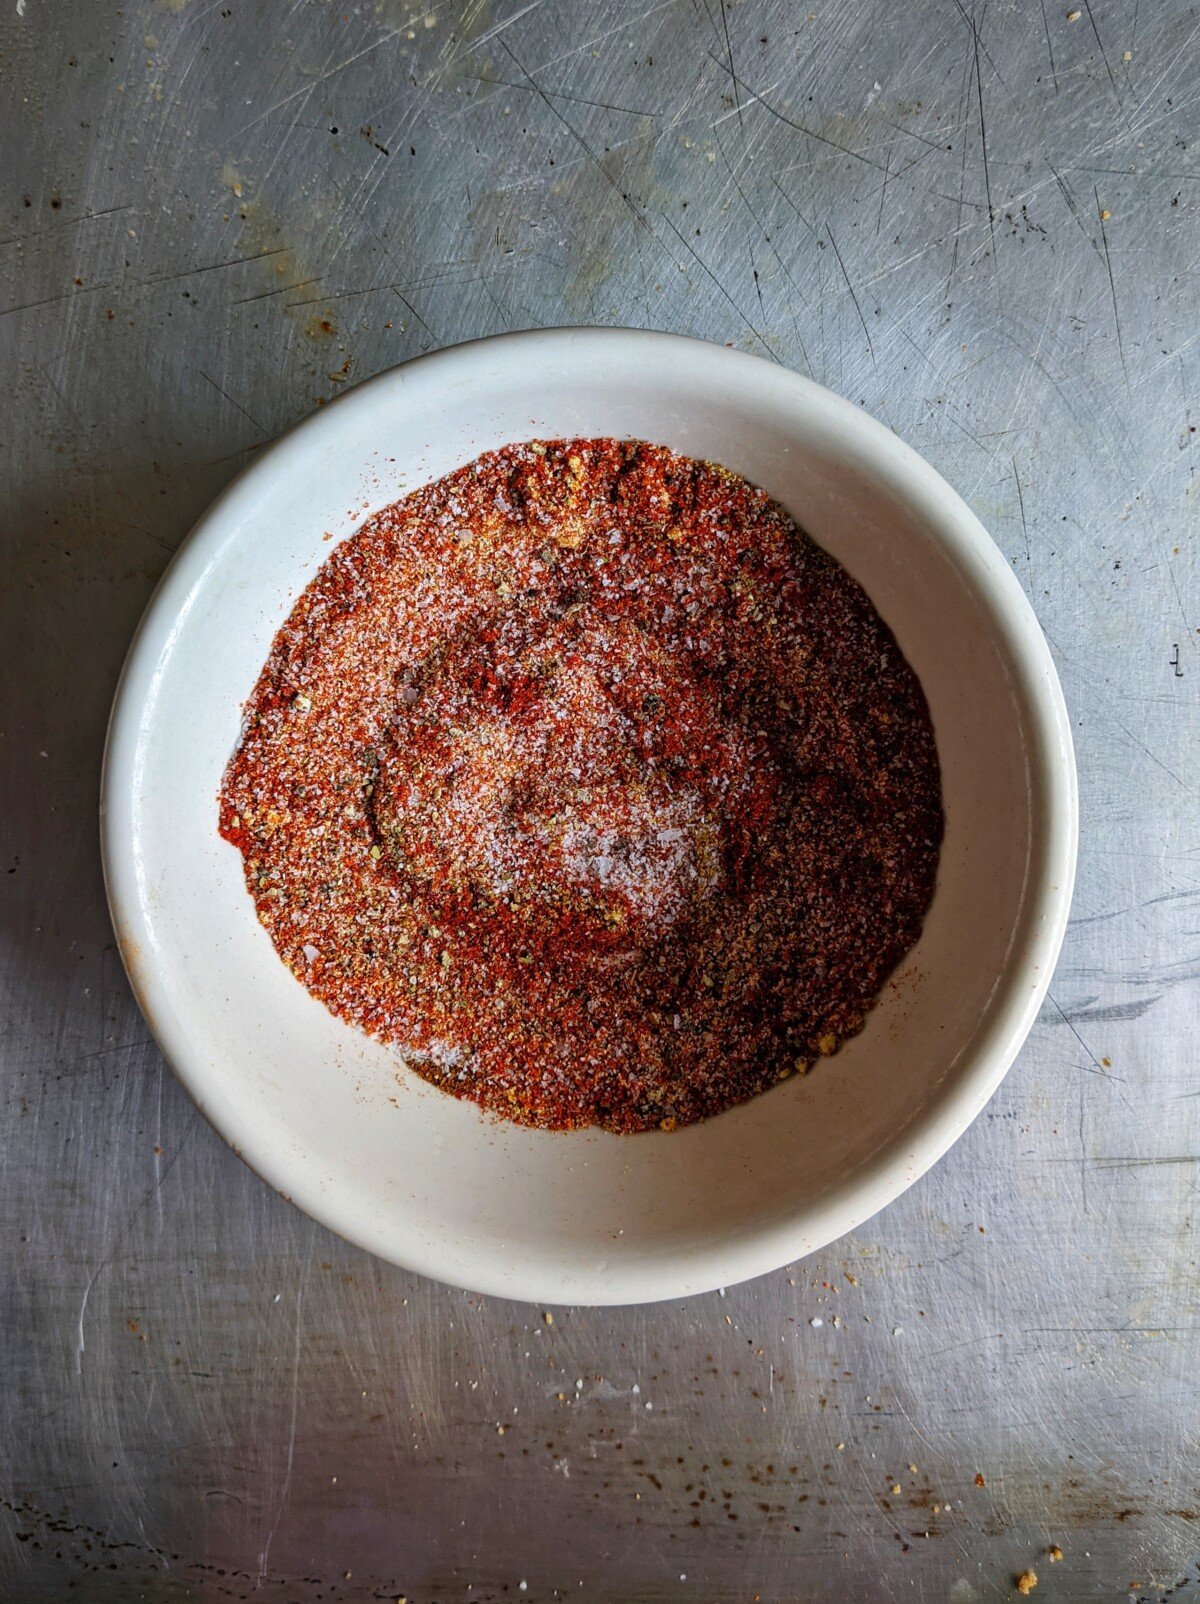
pixel 982 224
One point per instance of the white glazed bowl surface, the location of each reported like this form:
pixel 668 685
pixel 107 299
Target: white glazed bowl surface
pixel 427 1181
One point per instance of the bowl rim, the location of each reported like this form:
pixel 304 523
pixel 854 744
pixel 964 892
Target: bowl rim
pixel 975 1076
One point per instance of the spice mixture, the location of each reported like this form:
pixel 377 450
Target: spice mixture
pixel 588 781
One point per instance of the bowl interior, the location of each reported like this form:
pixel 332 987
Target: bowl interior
pixel 329 1117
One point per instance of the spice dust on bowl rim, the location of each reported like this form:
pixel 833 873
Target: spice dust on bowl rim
pixel 328 1115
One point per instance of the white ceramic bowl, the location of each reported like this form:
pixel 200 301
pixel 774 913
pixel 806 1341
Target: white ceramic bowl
pixel 328 1117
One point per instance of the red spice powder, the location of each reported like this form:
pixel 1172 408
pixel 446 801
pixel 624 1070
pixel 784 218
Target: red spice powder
pixel 588 781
